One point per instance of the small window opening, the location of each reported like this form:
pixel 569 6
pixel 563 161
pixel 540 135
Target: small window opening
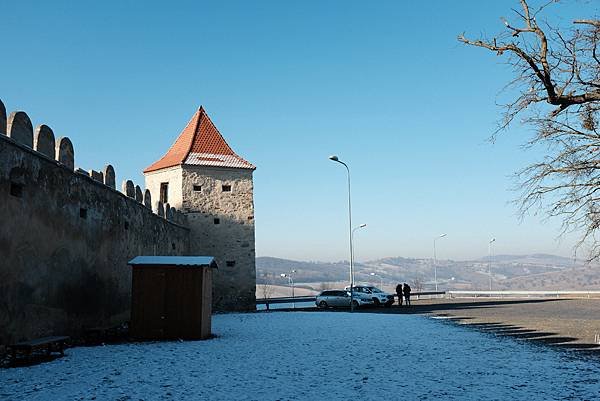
pixel 16 190
pixel 173 245
pixel 197 188
pixel 217 221
pixel 83 213
pixel 230 263
pixel 126 225
pixel 226 188
pixel 164 192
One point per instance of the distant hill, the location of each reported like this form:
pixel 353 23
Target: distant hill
pixel 306 271
pixel 536 258
pixel 518 272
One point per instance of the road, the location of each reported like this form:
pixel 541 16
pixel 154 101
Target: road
pixel 566 323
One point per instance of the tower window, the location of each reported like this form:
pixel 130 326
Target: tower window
pixel 164 192
pixel 197 188
pixel 226 188
pixel 217 221
pixel 16 190
pixel 230 263
pixel 83 213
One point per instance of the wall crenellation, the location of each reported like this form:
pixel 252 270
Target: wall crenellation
pixel 43 141
pixel 2 118
pixel 109 176
pixel 67 235
pixel 19 128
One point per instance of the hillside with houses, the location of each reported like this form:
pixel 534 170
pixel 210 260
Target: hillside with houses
pixel 509 272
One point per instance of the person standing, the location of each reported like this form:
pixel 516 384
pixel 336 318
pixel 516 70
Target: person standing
pixel 399 293
pixel 406 291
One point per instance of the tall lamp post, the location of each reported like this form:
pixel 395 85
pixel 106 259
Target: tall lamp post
pixel 353 230
pixel 290 277
pixel 435 260
pixel 380 279
pixel 490 260
pixel 337 160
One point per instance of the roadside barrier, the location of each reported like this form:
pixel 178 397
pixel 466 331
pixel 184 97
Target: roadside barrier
pixel 524 294
pixel 283 300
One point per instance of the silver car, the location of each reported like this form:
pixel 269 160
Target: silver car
pixel 379 297
pixel 341 298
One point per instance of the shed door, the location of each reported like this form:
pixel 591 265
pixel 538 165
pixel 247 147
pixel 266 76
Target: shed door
pixel 148 309
pixel 183 303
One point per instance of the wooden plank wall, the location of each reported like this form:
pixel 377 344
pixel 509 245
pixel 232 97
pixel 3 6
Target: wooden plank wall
pixel 171 302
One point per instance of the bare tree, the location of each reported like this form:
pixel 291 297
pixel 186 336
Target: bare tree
pixel 418 283
pixel 325 285
pixel 557 80
pixel 266 288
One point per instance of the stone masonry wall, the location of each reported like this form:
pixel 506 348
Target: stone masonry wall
pixel 66 237
pixel 231 241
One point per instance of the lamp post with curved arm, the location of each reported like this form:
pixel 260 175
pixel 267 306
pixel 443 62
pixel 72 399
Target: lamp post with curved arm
pixel 435 260
pixel 353 230
pixel 380 279
pixel 337 160
pixel 490 260
pixel 290 277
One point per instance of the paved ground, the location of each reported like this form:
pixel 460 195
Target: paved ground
pixel 562 323
pixel 569 323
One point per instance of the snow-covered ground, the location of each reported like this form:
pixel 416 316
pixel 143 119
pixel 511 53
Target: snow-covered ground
pixel 314 356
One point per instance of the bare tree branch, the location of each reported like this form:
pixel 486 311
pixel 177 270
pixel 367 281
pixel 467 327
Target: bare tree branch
pixel 595 23
pixel 559 68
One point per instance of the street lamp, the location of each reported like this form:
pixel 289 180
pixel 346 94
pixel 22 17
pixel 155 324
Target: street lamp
pixel 353 230
pixel 380 280
pixel 490 260
pixel 290 277
pixel 435 260
pixel 337 160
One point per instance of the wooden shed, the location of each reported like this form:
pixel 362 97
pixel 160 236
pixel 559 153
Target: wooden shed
pixel 171 297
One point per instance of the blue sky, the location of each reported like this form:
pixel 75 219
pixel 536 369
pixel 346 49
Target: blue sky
pixel 385 85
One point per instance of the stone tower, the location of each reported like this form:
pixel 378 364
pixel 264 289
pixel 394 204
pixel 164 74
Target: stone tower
pixel 201 176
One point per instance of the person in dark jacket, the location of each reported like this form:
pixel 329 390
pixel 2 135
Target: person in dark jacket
pixel 406 291
pixel 399 293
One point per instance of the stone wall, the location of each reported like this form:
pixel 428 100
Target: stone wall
pixel 222 225
pixel 66 237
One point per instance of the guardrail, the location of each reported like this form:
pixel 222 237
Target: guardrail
pixel 419 294
pixel 284 300
pixel 521 294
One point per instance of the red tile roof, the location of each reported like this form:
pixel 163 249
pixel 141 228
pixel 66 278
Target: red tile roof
pixel 200 143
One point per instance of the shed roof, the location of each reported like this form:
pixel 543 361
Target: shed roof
pixel 200 144
pixel 191 261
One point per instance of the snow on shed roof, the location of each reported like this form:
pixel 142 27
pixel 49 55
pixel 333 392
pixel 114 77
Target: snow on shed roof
pixel 174 261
